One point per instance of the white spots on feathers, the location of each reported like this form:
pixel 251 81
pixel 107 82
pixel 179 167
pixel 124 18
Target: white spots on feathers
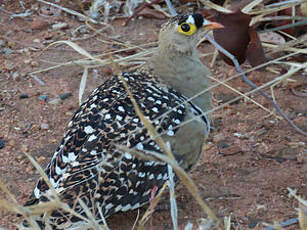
pixel 93 152
pixel 170 133
pixel 118 197
pixel 107 116
pixel 92 137
pixel 147 192
pixel 71 156
pixel 65 159
pixel 37 193
pixel 165 97
pixel 97 195
pixel 151 176
pixel 140 146
pixel 115 91
pixel 93 106
pixel 75 163
pixel 177 121
pixel 155 109
pixel 142 174
pixel 53 183
pixel 119 117
pixel 88 129
pixel 162 176
pixel 138 183
pixel 59 171
pixel 150 99
pixel 128 156
pixel 156 122
pixel 121 108
pixel 149 163
pixel 70 124
pixel 67 138
pixel 118 208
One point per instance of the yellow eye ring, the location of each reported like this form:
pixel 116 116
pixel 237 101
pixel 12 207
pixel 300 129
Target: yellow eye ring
pixel 187 28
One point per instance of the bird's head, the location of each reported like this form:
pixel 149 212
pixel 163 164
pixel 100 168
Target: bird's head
pixel 182 33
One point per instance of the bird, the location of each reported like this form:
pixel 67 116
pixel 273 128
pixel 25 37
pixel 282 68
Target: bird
pixel 89 166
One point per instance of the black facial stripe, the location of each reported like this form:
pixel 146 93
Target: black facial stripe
pixel 199 20
pixel 182 19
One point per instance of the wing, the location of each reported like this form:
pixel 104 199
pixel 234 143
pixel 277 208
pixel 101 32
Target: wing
pixel 87 153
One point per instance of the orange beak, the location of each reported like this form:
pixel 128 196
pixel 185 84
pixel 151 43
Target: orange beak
pixel 214 25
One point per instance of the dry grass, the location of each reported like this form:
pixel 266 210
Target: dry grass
pixel 293 47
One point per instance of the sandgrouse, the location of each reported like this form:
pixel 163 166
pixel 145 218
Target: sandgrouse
pixel 88 164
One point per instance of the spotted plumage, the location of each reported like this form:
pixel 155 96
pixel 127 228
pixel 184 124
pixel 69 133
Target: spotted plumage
pixel 88 163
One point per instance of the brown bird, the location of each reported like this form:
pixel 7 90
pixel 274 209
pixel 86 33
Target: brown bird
pixel 88 166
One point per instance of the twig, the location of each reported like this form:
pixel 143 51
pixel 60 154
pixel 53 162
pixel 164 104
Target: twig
pixel 284 223
pixel 69 11
pixel 21 15
pixel 174 209
pixel 36 78
pixel 300 23
pixel 142 7
pixel 171 8
pixel 251 84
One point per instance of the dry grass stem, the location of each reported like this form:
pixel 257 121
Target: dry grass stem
pixel 148 211
pixel 69 11
pixel 215 6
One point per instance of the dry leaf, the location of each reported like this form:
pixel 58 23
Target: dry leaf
pixel 238 38
pixel 234 37
pixel 151 13
pixel 255 53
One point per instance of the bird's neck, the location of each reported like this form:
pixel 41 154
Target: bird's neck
pixel 185 73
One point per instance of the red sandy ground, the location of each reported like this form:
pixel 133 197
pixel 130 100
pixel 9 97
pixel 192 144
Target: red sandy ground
pixel 245 177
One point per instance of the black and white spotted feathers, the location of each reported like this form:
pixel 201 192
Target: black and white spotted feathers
pixel 87 164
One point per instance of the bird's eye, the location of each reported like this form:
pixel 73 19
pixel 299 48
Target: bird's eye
pixel 187 28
